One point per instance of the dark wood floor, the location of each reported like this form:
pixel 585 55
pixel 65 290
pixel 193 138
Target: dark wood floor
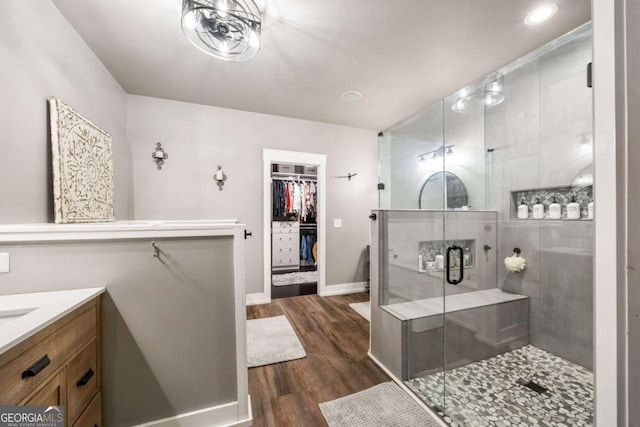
pixel 336 340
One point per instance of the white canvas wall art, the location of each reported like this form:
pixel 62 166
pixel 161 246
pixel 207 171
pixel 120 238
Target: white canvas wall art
pixel 82 157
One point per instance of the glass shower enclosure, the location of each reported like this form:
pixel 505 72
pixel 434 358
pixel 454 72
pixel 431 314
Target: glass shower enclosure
pixel 483 316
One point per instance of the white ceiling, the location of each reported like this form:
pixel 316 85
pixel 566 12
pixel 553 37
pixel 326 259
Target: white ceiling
pixel 403 55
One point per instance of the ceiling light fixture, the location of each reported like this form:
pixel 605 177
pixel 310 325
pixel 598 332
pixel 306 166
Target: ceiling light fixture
pixel 489 91
pixel 225 29
pixel 541 14
pixel 351 96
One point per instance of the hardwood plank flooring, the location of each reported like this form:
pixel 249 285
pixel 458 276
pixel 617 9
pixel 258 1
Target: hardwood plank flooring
pixel 336 340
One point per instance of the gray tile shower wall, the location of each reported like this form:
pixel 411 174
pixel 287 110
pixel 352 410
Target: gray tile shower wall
pixel 566 297
pixel 541 137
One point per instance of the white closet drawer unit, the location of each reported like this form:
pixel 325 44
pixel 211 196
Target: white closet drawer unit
pixel 285 260
pixel 285 238
pixel 285 244
pixel 279 227
pixel 290 248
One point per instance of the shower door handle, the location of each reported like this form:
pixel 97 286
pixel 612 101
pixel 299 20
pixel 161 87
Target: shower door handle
pixel 448 263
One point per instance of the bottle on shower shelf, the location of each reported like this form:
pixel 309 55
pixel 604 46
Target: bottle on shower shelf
pixel 523 210
pixel 439 261
pixel 573 209
pixel 555 210
pixel 538 210
pixel 467 257
pixel 421 262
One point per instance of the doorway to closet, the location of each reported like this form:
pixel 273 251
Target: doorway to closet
pixel 294 232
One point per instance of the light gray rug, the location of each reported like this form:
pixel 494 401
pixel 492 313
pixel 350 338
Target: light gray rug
pixel 272 340
pixel 294 278
pixel 383 405
pixel 363 309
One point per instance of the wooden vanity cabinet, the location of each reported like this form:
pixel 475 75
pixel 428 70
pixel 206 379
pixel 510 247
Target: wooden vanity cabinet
pixel 59 365
pixel 52 393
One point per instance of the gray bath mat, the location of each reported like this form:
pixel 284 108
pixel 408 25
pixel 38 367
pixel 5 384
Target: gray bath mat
pixel 297 278
pixel 272 340
pixel 363 309
pixel 383 405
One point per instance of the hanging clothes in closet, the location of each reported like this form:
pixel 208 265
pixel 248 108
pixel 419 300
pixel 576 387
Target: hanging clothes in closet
pixel 280 199
pixel 291 198
pixel 306 247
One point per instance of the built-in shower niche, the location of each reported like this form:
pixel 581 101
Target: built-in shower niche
pixel 430 249
pixel 583 194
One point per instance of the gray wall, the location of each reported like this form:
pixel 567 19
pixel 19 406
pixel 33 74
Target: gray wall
pixel 150 368
pixel 535 134
pixel 43 56
pixel 199 138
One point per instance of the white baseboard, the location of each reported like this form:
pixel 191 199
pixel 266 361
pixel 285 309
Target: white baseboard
pixel 343 289
pixel 407 390
pixel 255 299
pixel 219 416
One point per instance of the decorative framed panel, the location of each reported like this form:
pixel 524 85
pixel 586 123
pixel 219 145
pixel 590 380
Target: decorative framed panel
pixel 82 157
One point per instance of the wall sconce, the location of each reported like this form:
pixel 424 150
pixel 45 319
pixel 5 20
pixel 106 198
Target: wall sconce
pixel 159 156
pixel 220 178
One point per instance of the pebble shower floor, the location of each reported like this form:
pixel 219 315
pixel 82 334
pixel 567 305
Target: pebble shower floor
pixel 488 393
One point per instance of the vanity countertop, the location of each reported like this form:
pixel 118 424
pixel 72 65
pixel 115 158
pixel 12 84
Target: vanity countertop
pixel 23 315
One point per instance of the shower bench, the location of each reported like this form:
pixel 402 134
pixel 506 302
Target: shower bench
pixel 408 338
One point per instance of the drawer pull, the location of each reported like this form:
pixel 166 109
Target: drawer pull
pixel 85 378
pixel 35 369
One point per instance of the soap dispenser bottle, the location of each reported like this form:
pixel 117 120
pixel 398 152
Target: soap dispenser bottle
pixel 538 210
pixel 467 257
pixel 573 209
pixel 590 210
pixel 439 261
pixel 555 210
pixel 523 210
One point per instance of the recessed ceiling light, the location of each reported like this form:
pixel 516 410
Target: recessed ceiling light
pixel 541 14
pixel 351 96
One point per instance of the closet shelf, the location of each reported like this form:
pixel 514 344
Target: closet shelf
pixel 285 176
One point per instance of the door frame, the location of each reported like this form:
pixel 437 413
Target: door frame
pixel 270 156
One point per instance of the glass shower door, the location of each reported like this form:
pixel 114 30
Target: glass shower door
pixel 415 191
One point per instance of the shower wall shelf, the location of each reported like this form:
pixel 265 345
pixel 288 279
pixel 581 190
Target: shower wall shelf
pixel 583 195
pixel 430 248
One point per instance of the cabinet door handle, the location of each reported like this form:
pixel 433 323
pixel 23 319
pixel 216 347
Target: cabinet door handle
pixel 85 378
pixel 35 369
